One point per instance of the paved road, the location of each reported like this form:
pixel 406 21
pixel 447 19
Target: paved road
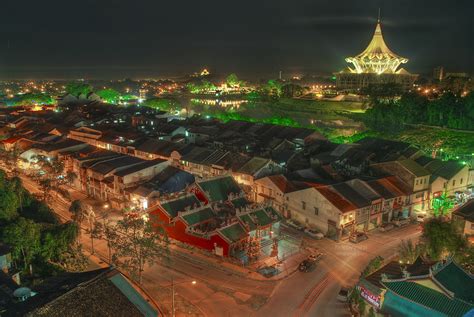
pixel 220 293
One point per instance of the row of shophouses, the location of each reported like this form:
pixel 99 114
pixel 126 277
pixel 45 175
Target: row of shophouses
pixel 148 174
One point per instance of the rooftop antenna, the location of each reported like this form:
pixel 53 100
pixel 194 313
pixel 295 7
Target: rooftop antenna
pixel 378 19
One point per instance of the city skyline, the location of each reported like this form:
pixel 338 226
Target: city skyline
pixel 144 40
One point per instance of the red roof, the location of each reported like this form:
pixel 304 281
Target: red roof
pixel 12 140
pixel 399 184
pixel 283 184
pixel 336 199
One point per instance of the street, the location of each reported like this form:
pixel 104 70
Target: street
pixel 221 291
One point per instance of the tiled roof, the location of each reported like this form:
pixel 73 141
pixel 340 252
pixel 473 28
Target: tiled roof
pixel 138 167
pixel 466 211
pixel 283 184
pixel 449 169
pixel 233 233
pixel 456 280
pixel 240 202
pixel 253 165
pixel 102 292
pixel 336 199
pixel 172 207
pixel 218 189
pixel 414 168
pixel 429 298
pixel 198 216
pixel 351 195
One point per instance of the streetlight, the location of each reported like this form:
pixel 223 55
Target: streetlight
pixel 173 293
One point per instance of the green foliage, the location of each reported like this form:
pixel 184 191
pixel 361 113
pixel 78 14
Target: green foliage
pixel 408 252
pixel 56 240
pixel 38 211
pixel 9 198
pixel 162 104
pixel 442 239
pixel 23 236
pixel 373 266
pixel 442 205
pixel 448 111
pixel 291 90
pixel 232 80
pixel 200 87
pixel 78 88
pixel 109 95
pixel 137 244
pixel 33 99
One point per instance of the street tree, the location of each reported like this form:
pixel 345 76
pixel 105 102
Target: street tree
pixel 409 252
pixel 442 239
pixel 137 244
pixel 24 237
pixel 442 205
pixel 78 88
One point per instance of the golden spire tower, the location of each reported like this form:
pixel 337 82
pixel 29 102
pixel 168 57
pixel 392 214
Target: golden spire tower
pixel 377 57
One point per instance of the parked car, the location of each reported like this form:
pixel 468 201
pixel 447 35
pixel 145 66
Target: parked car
pixel 343 295
pixel 386 227
pixel 307 266
pixel 295 225
pixel 401 222
pixel 357 237
pixel 314 233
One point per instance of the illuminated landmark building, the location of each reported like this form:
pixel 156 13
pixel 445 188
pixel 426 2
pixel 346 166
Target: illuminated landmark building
pixel 377 64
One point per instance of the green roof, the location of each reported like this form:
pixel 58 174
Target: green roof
pixel 456 280
pixel 247 220
pixel 219 188
pixel 274 213
pixel 429 298
pixel 234 232
pixel 199 216
pixel 240 202
pixel 259 217
pixel 262 217
pixel 172 207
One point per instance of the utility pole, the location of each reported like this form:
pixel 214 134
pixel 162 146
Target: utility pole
pixel 279 76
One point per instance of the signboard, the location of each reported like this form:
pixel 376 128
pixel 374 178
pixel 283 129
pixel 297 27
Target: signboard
pixel 374 300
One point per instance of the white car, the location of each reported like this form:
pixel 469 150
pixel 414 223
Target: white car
pixel 295 225
pixel 314 233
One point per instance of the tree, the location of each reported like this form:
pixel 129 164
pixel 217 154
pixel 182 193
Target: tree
pixel 9 200
pixel 162 104
pixel 408 253
pixel 23 236
pixel 442 239
pixel 232 80
pixel 57 239
pixel 109 95
pixel 442 205
pixel 373 266
pixel 137 244
pixel 78 88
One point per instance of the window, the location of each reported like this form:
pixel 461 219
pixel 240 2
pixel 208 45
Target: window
pixel 454 182
pixel 416 182
pixel 303 205
pixel 472 226
pixel 460 181
pixel 316 211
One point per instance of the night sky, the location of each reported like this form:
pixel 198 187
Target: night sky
pixel 157 38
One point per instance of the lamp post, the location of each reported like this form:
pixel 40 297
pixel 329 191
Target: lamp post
pixel 173 294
